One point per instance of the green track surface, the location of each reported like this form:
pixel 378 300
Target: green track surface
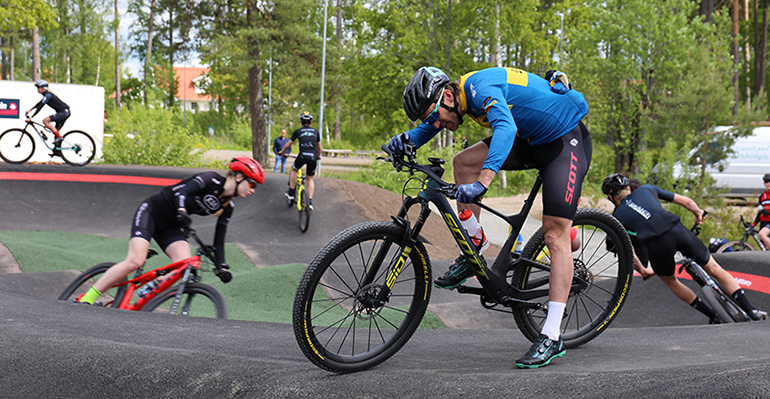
pixel 254 294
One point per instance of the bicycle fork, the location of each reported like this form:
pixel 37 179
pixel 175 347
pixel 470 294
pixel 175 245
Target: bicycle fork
pixel 180 292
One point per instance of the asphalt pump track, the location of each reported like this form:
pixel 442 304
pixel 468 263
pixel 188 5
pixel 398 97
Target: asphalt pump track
pixel 657 346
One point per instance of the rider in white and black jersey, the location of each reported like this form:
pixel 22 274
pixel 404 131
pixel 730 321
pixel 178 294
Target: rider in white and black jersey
pixel 309 154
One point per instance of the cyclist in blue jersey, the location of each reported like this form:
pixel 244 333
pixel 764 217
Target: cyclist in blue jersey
pixel 651 226
pixel 536 124
pixel 61 115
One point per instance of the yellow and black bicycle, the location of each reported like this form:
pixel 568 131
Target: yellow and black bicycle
pixel 302 201
pixel 366 291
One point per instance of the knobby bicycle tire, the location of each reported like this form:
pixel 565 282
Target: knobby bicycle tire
pixel 78 148
pixel 213 305
pixel 16 146
pixel 735 246
pixel 304 210
pixel 337 323
pixel 111 298
pixel 604 262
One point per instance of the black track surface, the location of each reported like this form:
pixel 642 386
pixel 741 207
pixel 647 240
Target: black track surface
pixel 658 346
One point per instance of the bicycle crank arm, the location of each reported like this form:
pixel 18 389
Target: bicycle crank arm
pixel 520 303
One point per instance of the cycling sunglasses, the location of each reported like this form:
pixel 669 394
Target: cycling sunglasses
pixel 433 115
pixel 252 182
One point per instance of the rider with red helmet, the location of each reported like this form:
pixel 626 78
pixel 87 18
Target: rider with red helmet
pixel 163 216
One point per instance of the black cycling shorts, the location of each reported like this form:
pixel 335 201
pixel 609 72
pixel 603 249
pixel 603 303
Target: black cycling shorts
pixel 60 117
pixel 563 163
pixel 310 162
pixel 660 250
pixel 155 218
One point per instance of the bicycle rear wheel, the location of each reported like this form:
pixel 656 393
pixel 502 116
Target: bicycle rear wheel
pixel 198 300
pixel 603 265
pixel 735 246
pixel 112 297
pixel 304 210
pixel 16 146
pixel 338 322
pixel 77 148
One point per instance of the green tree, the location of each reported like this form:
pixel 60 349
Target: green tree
pixel 237 40
pixel 639 53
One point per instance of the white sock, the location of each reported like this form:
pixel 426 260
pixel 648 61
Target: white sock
pixel 553 320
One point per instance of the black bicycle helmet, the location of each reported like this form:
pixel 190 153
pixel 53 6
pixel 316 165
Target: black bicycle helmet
pixel 614 183
pixel 41 83
pixel 422 90
pixel 766 177
pixel 305 117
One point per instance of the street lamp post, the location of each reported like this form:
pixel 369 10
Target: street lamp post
pixel 561 31
pixel 323 77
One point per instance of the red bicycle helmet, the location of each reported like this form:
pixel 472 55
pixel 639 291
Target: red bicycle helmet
pixel 249 167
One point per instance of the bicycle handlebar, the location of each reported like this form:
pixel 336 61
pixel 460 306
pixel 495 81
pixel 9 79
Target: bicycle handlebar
pixel 400 163
pixel 210 252
pixel 696 228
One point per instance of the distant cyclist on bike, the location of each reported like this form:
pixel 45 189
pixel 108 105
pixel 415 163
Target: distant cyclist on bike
pixel 658 234
pixel 536 124
pixel 61 115
pixel 763 218
pixel 309 154
pixel 163 215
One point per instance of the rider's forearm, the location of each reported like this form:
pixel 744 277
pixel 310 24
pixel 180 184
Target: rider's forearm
pixel 688 203
pixel 486 176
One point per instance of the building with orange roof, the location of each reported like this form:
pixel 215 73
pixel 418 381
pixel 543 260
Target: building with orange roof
pixel 190 92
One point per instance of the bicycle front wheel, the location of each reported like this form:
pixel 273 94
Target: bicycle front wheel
pixel 304 210
pixel 603 268
pixel 707 294
pixel 112 297
pixel 16 146
pixel 735 246
pixel 77 148
pixel 197 300
pixel 339 320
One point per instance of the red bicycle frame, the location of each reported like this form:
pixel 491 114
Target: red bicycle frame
pixel 174 271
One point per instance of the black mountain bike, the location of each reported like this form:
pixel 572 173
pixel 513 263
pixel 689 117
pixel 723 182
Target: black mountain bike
pixel 18 145
pixel 728 310
pixel 743 244
pixel 366 291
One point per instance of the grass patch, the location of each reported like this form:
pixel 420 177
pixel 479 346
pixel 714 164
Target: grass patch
pixel 254 294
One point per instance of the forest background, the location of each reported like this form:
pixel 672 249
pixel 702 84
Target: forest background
pixel 659 75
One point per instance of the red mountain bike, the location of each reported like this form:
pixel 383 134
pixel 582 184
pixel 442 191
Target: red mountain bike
pixel 167 298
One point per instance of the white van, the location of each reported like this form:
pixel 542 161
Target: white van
pixel 742 172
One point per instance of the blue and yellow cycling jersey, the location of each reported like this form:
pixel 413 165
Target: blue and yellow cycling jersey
pixel 513 102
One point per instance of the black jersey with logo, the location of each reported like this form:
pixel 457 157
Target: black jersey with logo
pixel 199 194
pixel 642 214
pixel 308 139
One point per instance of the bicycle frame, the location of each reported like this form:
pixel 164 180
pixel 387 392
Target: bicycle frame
pixel 176 271
pixel 300 188
pixel 492 279
pixel 40 132
pixel 707 282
